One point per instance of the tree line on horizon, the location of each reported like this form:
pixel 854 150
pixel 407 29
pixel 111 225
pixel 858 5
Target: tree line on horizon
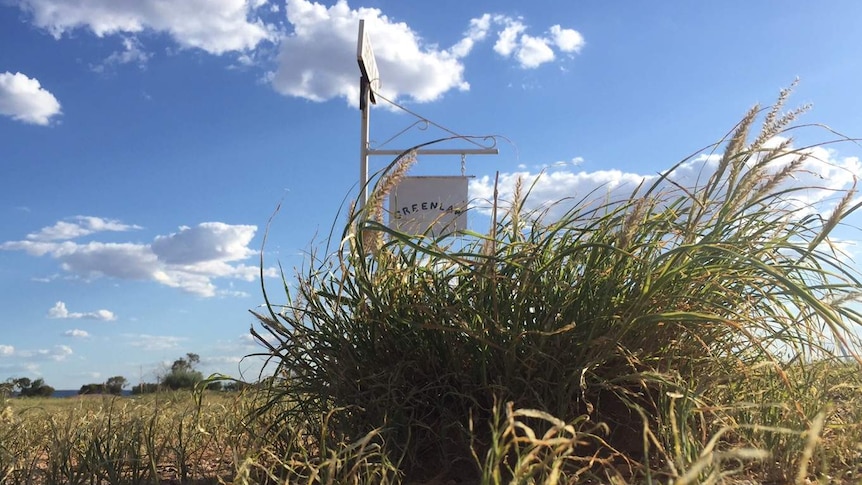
pixel 24 387
pixel 182 375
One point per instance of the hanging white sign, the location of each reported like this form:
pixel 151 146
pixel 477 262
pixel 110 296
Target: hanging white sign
pixel 429 205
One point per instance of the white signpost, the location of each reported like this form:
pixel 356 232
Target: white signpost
pixel 368 81
pixel 418 203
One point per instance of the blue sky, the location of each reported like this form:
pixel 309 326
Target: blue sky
pixel 144 144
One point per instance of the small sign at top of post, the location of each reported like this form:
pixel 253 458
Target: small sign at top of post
pixel 369 83
pixel 367 62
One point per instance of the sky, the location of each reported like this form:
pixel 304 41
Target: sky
pixel 145 144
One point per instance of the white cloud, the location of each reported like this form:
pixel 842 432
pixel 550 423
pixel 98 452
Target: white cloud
pixel 823 173
pixel 234 293
pixel 132 53
pixel 154 342
pixel 58 353
pixel 318 60
pixel 507 39
pixel 221 359
pixel 558 188
pixel 59 310
pixel 477 32
pixel 83 226
pixel 207 242
pixel 24 99
pixel 76 333
pixel 533 51
pixel 95 259
pixel 46 279
pixel 189 259
pixel 567 40
pixel 192 283
pixel 551 187
pixel 215 26
pixel 251 344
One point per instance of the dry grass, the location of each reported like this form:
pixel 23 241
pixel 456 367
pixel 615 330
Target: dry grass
pixel 165 438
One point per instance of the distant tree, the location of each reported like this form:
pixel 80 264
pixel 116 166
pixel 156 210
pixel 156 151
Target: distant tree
pixel 115 385
pixel 183 374
pixel 145 388
pixel 234 386
pixel 182 379
pixel 186 363
pixel 37 388
pixel 21 383
pixel 92 389
pixel 7 388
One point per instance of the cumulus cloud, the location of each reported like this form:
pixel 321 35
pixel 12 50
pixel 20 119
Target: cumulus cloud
pixel 317 61
pixel 533 51
pixel 250 342
pixel 316 57
pixel 59 310
pixel 57 353
pixel 557 188
pixel 215 26
pixel 188 259
pixel 82 226
pixel 477 32
pixel 154 342
pixel 76 333
pixel 507 39
pixel 567 40
pixel 222 359
pixel 209 241
pixel 133 53
pixel 24 99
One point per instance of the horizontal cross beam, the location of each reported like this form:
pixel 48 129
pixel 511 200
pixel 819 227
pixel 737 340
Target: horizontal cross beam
pixel 440 151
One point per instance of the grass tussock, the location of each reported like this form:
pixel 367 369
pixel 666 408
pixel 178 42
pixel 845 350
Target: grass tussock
pixel 683 334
